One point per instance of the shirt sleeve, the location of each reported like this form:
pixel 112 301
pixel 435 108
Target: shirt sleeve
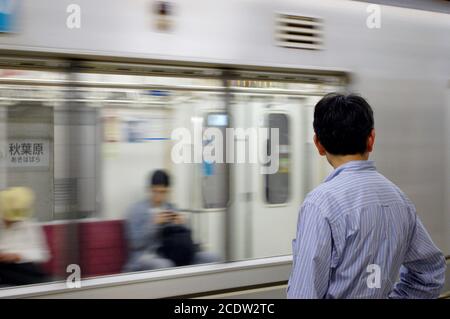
pixel 312 251
pixel 141 232
pixel 35 250
pixel 422 274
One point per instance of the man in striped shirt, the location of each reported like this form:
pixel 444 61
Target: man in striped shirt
pixel 357 231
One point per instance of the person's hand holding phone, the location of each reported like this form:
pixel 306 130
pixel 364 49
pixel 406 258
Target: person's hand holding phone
pixel 163 218
pixel 178 219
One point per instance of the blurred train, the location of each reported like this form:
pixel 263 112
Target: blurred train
pixel 103 98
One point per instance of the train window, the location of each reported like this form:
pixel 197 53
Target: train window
pixel 32 164
pixel 82 156
pixel 277 184
pixel 215 175
pixel 217 120
pixel 87 149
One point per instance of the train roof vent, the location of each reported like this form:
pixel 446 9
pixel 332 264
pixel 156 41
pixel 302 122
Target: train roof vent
pixel 299 32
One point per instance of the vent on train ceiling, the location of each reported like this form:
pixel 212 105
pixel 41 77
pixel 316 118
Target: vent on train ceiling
pixel 299 32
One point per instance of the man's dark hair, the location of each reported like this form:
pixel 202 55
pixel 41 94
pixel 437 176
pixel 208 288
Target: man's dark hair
pixel 159 178
pixel 343 123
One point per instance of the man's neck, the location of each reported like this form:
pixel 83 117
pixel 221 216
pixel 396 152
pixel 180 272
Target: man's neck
pixel 339 160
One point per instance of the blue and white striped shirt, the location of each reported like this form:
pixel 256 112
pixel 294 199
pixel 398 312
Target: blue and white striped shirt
pixel 354 220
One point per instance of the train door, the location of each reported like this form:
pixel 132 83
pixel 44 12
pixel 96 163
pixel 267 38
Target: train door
pixel 275 182
pixel 265 200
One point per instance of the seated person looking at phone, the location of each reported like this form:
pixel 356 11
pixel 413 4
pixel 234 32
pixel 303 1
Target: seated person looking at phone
pixel 150 224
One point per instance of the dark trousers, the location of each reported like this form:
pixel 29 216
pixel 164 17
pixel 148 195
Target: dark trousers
pixel 21 274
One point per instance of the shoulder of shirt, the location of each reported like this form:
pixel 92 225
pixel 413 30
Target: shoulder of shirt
pixel 323 196
pixel 318 198
pixel 321 192
pixel 18 225
pixel 30 224
pixel 138 208
pixel 404 197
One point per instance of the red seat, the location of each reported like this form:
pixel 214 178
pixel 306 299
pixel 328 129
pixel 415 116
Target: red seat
pixel 56 235
pixel 100 247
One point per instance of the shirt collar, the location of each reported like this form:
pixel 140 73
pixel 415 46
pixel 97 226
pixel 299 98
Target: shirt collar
pixel 352 166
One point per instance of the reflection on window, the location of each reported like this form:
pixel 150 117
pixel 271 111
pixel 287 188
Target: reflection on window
pixel 277 185
pixel 88 152
pixel 215 175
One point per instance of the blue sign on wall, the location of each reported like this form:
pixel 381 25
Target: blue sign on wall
pixel 8 11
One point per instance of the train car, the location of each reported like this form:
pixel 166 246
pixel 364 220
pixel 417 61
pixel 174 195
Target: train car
pixel 108 90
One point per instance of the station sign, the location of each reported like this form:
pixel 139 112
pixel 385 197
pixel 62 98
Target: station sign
pixel 23 153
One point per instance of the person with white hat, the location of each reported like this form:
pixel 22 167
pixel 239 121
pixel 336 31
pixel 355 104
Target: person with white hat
pixel 22 243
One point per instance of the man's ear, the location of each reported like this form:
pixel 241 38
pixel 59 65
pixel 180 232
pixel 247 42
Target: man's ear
pixel 371 141
pixel 319 146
